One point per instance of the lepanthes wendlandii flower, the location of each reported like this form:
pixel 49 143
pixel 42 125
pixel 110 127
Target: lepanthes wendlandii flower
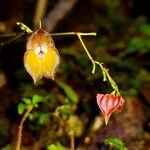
pixel 108 103
pixel 41 58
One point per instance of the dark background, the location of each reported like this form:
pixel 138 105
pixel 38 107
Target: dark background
pixel 122 44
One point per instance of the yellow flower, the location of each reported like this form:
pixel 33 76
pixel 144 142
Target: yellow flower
pixel 41 58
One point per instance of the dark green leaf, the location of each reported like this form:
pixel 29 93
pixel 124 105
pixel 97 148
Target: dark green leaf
pixel 70 93
pixel 31 117
pixel 43 117
pixel 145 28
pixel 136 44
pixel 64 111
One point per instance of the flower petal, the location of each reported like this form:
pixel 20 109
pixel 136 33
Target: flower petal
pixel 33 65
pixel 108 103
pixel 38 38
pixel 41 58
pixel 50 63
pixel 119 107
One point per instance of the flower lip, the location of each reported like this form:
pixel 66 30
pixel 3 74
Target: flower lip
pixel 41 50
pixel 41 53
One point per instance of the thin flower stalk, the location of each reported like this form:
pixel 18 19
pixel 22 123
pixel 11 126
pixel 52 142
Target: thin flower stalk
pixel 19 137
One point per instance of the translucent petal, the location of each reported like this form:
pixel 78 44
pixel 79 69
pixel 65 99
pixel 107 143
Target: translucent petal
pixel 50 63
pixel 33 65
pixel 39 37
pixel 108 104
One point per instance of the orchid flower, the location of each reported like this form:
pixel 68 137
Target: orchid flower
pixel 108 104
pixel 41 58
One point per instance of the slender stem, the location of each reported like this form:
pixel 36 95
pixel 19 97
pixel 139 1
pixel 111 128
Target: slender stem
pixel 19 137
pixel 87 52
pixel 72 145
pixel 107 76
pixel 73 33
pixel 40 24
pixel 113 83
pixel 102 68
pixel 8 35
pixel 40 9
pixel 13 39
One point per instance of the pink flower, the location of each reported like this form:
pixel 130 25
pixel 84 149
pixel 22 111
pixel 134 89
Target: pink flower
pixel 109 103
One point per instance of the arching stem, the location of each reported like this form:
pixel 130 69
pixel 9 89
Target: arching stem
pixel 19 137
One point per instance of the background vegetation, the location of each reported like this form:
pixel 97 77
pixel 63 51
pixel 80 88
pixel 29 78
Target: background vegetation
pixel 69 102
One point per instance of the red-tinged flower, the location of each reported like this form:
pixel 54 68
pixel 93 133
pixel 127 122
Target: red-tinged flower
pixel 109 103
pixel 41 58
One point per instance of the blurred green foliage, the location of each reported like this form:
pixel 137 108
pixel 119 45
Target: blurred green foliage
pixel 122 44
pixel 115 143
pixel 73 97
pixel 26 102
pixel 51 110
pixel 57 147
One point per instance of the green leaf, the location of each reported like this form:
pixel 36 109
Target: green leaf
pixel 26 101
pixel 145 28
pixel 135 44
pixel 64 111
pixel 57 147
pixel 36 99
pixel 43 117
pixel 70 93
pixel 31 117
pixel 116 143
pixel 21 108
